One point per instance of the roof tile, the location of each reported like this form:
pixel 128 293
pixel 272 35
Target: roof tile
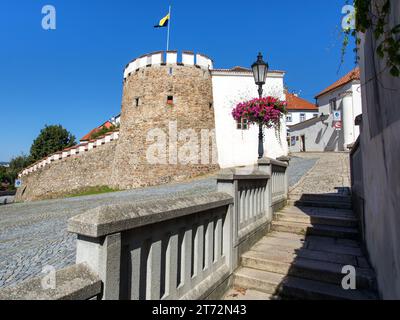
pixel 352 75
pixel 296 103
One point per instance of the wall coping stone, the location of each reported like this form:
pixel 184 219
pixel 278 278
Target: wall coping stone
pixel 111 219
pixel 284 159
pixel 241 174
pixel 77 282
pixel 269 161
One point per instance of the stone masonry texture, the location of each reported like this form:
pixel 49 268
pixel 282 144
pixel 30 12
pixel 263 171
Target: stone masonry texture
pixel 123 164
pixel 191 89
pixel 91 169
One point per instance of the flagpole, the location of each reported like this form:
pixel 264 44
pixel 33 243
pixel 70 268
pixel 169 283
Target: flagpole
pixel 169 25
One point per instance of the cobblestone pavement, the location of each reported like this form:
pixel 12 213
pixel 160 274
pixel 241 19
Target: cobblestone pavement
pixel 331 174
pixel 34 235
pixel 299 166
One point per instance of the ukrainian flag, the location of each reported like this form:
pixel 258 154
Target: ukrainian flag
pixel 163 22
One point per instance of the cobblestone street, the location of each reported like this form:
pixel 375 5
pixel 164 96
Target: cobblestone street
pixel 33 235
pixel 330 174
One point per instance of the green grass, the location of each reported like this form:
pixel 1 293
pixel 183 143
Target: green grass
pixel 89 191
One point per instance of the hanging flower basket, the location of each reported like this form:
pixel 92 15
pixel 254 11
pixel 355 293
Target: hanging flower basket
pixel 267 111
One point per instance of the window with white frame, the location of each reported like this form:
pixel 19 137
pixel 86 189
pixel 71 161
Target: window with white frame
pixel 302 117
pixel 289 117
pixel 242 124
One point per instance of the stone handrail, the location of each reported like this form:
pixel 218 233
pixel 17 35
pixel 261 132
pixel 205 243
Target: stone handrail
pixel 158 250
pixel 185 248
pixel 179 248
pixel 73 283
pixel 77 150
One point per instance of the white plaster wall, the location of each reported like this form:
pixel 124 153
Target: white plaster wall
pixel 240 147
pixel 319 136
pixel 323 136
pixel 296 116
pixel 203 61
pixel 188 59
pixel 172 57
pixel 355 109
pixel 156 58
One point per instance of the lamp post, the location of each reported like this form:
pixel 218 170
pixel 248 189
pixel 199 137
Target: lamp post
pixel 260 70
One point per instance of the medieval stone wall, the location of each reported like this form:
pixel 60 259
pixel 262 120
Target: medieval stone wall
pixel 148 118
pixel 62 177
pixel 167 133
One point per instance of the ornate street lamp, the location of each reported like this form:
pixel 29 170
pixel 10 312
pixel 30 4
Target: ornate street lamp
pixel 260 70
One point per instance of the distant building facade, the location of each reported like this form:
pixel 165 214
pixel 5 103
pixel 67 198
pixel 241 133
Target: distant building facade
pixel 299 109
pixel 334 129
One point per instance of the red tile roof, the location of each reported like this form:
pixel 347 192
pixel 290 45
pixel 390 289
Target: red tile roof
pixel 352 75
pixel 87 137
pixel 296 103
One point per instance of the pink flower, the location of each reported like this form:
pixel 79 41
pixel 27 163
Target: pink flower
pixel 267 111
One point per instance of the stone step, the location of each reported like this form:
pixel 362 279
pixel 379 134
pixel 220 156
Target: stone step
pixel 315 229
pixel 326 245
pixel 344 213
pixel 298 266
pixel 263 281
pixel 247 294
pixel 320 197
pixel 322 219
pixel 344 259
pixel 295 288
pixel 320 204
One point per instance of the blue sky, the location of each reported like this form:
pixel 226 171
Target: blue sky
pixel 73 75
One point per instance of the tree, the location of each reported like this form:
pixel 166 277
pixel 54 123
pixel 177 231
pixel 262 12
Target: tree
pixel 3 174
pixel 17 164
pixel 20 162
pixel 51 139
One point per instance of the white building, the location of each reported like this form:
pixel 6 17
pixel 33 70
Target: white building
pixel 299 110
pixel 116 121
pixel 334 129
pixel 237 143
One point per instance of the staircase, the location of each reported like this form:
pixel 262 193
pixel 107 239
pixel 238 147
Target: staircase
pixel 312 239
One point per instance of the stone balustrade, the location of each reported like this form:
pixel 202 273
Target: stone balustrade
pixel 180 248
pixel 71 152
pixel 279 181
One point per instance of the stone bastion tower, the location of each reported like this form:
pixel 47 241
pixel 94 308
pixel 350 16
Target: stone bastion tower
pixel 167 128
